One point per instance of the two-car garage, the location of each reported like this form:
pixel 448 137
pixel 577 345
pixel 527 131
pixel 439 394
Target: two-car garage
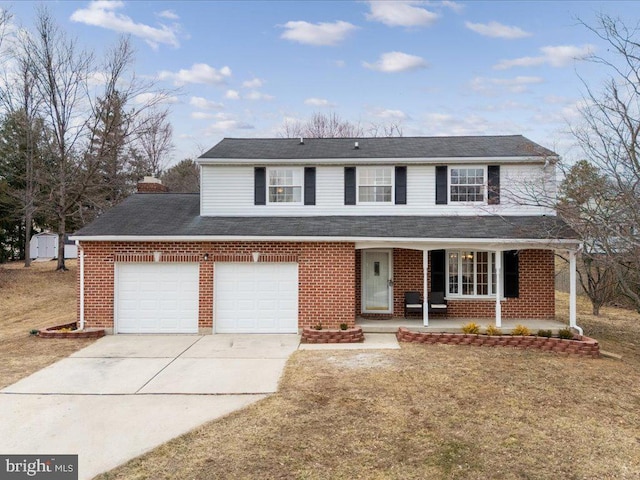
pixel 164 297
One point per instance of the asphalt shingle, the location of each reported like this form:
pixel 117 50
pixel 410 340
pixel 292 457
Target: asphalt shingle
pixel 382 147
pixel 167 214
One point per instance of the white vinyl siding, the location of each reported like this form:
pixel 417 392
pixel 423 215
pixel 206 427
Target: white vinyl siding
pixel 229 191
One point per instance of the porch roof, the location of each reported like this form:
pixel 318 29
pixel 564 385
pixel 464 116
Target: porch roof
pixel 177 217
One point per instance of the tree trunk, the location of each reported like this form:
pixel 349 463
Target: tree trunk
pixel 27 238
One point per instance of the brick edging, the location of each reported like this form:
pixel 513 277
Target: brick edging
pixel 350 335
pixel 54 332
pixel 584 346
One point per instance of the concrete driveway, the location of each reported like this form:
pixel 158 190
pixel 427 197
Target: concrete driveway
pixel 126 394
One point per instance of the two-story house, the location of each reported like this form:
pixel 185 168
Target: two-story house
pixel 288 233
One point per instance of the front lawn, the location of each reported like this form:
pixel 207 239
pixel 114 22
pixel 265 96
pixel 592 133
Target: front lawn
pixel 429 412
pixel 34 298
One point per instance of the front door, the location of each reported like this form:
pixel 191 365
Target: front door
pixel 377 281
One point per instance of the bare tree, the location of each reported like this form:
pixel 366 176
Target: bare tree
pixel 609 135
pixel 322 125
pixel 154 140
pixel 21 102
pixel 60 70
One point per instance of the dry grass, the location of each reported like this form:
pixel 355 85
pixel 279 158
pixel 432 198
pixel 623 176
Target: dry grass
pixel 428 411
pixel 34 298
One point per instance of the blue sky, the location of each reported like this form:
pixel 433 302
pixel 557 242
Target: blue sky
pixel 243 68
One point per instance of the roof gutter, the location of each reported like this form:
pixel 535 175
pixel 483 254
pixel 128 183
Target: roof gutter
pixel 374 161
pixel 552 243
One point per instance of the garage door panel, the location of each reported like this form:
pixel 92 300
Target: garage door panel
pixel 157 297
pixel 256 297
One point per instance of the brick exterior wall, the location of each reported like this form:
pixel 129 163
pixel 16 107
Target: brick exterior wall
pixel 536 296
pixel 325 274
pixel 329 276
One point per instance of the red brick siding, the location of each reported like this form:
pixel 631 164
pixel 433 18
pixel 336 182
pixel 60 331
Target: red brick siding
pixel 536 297
pixel 325 275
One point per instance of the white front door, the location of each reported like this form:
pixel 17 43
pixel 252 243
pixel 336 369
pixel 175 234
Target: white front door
pixel 377 281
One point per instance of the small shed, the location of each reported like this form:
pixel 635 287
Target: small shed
pixel 45 245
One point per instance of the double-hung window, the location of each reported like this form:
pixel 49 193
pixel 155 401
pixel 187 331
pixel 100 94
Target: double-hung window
pixel 471 273
pixel 285 185
pixel 467 184
pixel 375 184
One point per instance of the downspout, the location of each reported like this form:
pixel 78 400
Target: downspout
pixel 81 285
pixel 573 291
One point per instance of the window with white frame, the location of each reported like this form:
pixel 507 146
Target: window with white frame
pixel 375 184
pixel 467 184
pixel 285 185
pixel 471 273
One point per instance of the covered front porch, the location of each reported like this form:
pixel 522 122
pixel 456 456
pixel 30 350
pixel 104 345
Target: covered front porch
pixel 453 325
pixel 503 283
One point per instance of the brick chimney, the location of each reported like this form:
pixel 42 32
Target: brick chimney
pixel 151 185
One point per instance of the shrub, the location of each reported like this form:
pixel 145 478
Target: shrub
pixel 34 331
pixel 493 330
pixel 521 330
pixel 565 333
pixel 318 327
pixel 343 326
pixel 545 333
pixel 471 328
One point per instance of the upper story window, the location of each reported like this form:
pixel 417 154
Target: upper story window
pixel 467 184
pixel 285 185
pixel 375 184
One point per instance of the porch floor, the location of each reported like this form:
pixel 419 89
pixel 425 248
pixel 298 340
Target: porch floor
pixel 452 325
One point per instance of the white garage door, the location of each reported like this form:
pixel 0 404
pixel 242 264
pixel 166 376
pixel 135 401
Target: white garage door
pixel 157 298
pixel 256 297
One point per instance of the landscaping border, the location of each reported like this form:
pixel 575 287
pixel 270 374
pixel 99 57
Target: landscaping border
pixel 350 335
pixel 584 346
pixel 54 332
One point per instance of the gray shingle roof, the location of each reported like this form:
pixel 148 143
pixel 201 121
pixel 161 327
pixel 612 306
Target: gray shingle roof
pixel 382 147
pixel 179 215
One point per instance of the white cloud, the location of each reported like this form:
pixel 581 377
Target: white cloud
pixel 319 34
pixel 455 6
pixel 227 125
pixel 340 63
pixel 497 30
pixel 232 95
pixel 103 14
pixel 202 115
pixel 436 123
pixel 556 56
pixel 198 73
pixel 154 98
pixel 168 14
pixel 494 86
pixel 388 114
pixel 318 102
pixel 255 95
pixel 393 62
pixel 253 83
pixel 204 104
pixel 401 14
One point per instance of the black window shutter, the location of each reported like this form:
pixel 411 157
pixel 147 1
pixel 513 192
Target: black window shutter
pixel 349 185
pixel 441 185
pixel 438 271
pixel 511 276
pixel 401 186
pixel 260 186
pixel 310 185
pixel 493 184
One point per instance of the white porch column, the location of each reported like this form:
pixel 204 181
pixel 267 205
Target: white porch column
pixel 425 300
pixel 498 291
pixel 572 289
